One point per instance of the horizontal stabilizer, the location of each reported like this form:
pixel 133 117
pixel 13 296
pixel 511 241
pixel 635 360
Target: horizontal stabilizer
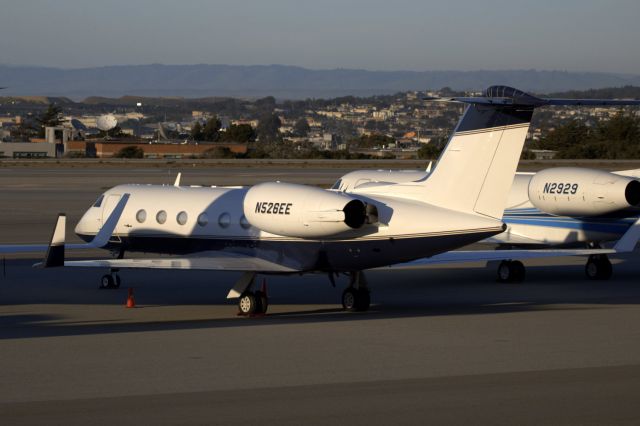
pixel 593 102
pixel 508 96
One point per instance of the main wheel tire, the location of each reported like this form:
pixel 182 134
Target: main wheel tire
pixel 504 271
pixel 598 268
pixel 117 281
pixel 364 299
pixel 356 300
pixel 248 303
pixel 511 271
pixel 606 268
pixel 263 302
pixel 518 271
pixel 350 299
pixel 106 281
pixel 591 269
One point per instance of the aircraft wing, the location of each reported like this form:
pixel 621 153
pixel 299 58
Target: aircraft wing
pixel 209 261
pixel 625 244
pixel 23 248
pixel 100 240
pixel 459 256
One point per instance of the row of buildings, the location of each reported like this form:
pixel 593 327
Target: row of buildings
pixel 408 120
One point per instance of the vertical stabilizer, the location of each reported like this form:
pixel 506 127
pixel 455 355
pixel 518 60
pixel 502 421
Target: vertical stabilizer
pixel 476 169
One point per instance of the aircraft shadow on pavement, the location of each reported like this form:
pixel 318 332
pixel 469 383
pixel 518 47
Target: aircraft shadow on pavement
pixel 395 294
pixel 20 326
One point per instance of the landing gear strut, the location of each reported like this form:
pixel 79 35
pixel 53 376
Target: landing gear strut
pixel 598 267
pixel 356 297
pixel 511 271
pixel 110 280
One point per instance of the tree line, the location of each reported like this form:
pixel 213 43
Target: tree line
pixel 616 138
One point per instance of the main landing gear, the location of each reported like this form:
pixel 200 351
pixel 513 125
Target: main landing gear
pixel 253 303
pixel 356 297
pixel 598 267
pixel 110 280
pixel 250 301
pixel 511 271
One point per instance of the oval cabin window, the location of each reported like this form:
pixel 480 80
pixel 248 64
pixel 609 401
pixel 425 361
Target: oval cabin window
pixel 161 217
pixel 224 220
pixel 203 219
pixel 182 218
pixel 141 216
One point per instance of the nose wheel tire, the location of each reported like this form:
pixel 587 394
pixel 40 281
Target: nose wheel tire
pixel 511 271
pixel 110 281
pixel 598 267
pixel 356 300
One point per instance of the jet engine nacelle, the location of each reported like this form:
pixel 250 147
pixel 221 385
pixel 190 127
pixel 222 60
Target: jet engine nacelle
pixel 573 191
pixel 302 211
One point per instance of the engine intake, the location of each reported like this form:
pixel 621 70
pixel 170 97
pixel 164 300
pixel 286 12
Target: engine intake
pixel 632 193
pixel 355 214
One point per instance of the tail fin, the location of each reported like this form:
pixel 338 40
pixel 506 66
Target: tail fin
pixel 475 171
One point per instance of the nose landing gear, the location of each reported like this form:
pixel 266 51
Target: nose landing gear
pixel 111 280
pixel 250 301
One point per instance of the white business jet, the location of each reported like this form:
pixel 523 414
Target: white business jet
pixel 283 228
pixel 556 207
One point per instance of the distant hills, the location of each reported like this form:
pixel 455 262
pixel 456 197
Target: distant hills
pixel 281 81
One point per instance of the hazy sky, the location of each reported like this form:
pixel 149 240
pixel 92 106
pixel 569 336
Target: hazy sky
pixel 574 35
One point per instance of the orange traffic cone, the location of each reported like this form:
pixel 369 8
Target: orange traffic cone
pixel 131 303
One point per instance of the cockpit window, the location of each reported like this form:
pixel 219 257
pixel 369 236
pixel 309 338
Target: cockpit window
pixel 337 184
pixel 98 202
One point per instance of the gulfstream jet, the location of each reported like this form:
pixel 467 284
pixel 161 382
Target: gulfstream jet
pixel 559 207
pixel 284 228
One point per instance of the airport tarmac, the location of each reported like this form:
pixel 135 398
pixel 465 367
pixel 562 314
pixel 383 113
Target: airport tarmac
pixel 440 345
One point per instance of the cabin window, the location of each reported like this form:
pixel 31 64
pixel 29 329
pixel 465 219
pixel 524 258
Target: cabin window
pixel 224 220
pixel 203 219
pixel 141 216
pixel 161 217
pixel 244 222
pixel 182 218
pixel 98 202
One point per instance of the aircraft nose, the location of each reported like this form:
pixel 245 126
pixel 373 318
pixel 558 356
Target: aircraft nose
pixel 87 226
